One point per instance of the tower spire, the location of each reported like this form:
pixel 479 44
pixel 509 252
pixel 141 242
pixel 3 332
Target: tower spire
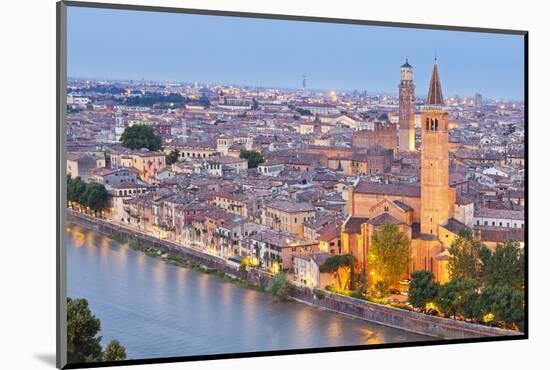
pixel 435 96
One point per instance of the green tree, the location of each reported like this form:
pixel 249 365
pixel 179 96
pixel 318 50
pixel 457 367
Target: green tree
pixel 466 255
pixel 83 343
pixel 505 266
pixel 141 136
pixel 505 303
pixel 95 196
pixel 253 157
pixel 460 297
pixel 448 298
pixel 204 101
pixel 70 194
pixel 422 289
pixel 114 351
pixel 338 265
pixel 172 157
pixel 279 287
pixel 469 302
pixel 383 117
pixel 304 112
pixel 382 288
pixel 389 253
pixel 76 188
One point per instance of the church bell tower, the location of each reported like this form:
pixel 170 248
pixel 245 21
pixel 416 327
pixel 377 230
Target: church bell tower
pixel 120 125
pixel 435 193
pixel 406 109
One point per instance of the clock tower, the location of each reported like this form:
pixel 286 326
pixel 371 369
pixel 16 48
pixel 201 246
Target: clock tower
pixel 406 109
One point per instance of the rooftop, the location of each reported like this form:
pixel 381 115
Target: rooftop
pixel 407 190
pixel 288 206
pixel 384 218
pixel 353 224
pixel 499 213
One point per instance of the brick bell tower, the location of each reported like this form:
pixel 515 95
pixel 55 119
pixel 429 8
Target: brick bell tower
pixel 435 193
pixel 406 109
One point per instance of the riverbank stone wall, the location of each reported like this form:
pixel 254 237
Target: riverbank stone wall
pixel 436 327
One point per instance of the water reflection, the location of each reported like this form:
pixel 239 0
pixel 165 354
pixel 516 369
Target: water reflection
pixel 157 309
pixel 334 332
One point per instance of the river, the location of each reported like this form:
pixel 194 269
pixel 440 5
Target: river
pixel 157 309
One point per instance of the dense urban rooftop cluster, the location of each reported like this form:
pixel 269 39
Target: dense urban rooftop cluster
pixel 295 202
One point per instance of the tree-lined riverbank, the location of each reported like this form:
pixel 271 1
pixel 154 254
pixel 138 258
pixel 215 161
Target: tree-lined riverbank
pixel 381 314
pixel 158 309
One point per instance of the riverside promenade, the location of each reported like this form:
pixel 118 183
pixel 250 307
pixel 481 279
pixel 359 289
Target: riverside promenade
pixel 437 327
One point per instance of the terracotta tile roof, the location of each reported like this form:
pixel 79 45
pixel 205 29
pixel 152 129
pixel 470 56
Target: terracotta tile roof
pixel 329 233
pixel 384 218
pixel 499 213
pixel 456 226
pixel 353 224
pixel 320 257
pixel 500 234
pixel 287 206
pixel 404 206
pixel 407 190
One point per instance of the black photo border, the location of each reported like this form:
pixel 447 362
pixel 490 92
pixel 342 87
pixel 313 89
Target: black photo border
pixel 61 78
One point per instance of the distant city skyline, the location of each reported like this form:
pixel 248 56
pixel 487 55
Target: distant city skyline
pixel 134 45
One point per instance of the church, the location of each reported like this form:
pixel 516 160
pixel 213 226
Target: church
pixel 427 211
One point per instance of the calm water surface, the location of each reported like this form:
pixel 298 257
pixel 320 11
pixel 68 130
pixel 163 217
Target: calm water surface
pixel 158 310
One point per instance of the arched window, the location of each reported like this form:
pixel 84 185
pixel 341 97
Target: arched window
pixel 436 124
pixel 427 123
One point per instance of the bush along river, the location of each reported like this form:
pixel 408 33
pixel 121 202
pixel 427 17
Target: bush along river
pixel 162 307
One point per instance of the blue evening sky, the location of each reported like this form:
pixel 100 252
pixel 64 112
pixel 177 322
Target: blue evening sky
pixel 120 44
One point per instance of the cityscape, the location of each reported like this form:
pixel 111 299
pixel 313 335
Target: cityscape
pixel 411 201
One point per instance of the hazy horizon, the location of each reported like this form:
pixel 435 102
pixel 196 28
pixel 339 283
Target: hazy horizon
pixel 106 44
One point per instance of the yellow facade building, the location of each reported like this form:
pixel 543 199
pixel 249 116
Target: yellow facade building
pixel 423 211
pixel 283 215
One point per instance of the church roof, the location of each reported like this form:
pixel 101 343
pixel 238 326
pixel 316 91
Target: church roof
pixel 406 65
pixel 435 96
pixel 456 226
pixel 384 218
pixel 404 206
pixel 407 190
pixel 353 224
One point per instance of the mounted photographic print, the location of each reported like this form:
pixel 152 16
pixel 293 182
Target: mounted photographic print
pixel 236 184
